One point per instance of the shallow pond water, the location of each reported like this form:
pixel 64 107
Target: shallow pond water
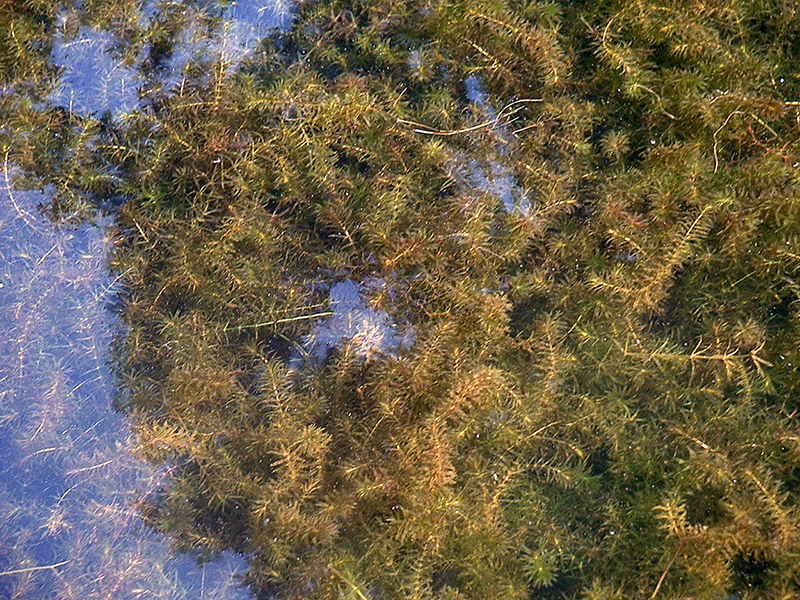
pixel 69 483
pixel 69 526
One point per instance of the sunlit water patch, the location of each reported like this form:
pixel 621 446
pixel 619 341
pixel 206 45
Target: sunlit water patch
pixel 69 485
pixel 223 47
pixel 93 80
pixel 369 331
pixel 99 72
pixel 495 180
pixel 490 174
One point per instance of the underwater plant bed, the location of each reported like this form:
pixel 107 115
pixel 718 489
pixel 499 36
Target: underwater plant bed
pixel 462 300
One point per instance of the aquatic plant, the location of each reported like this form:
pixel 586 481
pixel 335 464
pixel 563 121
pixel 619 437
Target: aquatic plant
pixel 600 397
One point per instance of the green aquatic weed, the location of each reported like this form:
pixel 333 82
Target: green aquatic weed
pixel 580 219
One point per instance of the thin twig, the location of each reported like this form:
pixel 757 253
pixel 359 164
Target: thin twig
pixel 658 98
pixel 433 131
pixel 663 577
pixel 29 219
pixel 31 569
pixel 327 313
pixel 92 468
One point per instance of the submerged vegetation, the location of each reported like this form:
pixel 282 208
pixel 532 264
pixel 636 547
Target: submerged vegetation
pixel 571 231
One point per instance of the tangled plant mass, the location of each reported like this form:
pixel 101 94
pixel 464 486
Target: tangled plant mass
pixel 578 378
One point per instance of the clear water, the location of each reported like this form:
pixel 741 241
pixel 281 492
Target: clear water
pixel 69 526
pixel 69 484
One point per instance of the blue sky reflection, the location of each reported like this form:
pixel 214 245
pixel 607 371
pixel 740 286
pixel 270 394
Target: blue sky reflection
pixel 369 331
pixel 69 484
